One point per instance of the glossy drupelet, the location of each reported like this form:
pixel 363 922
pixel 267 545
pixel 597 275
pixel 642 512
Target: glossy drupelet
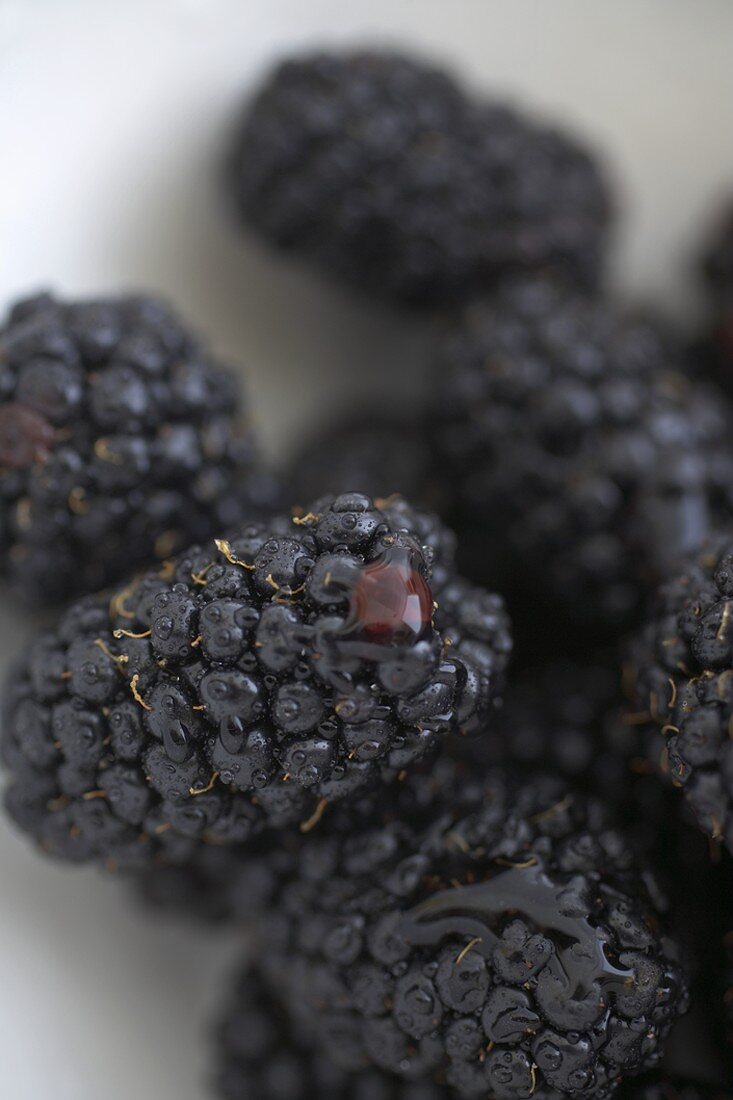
pixel 381 171
pixel 248 684
pixel 581 458
pixel 259 1057
pixel 120 442
pixel 681 675
pixel 504 942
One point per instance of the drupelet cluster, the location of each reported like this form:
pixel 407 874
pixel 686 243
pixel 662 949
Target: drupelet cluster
pixel 261 1057
pixel 504 943
pixel 379 169
pixel 250 683
pixel 121 441
pixel 579 454
pixel 680 668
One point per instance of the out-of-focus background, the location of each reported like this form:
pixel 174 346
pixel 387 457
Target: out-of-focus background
pixel 113 115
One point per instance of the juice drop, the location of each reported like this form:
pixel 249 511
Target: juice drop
pixel 392 603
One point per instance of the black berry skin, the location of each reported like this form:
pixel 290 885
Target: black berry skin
pixel 680 669
pixel 248 684
pixel 380 170
pixel 121 441
pixel 504 943
pixel 580 455
pixel 259 1057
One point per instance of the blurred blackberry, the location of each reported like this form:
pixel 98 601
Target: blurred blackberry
pixel 568 718
pixel 680 671
pixel 580 457
pixel 214 884
pixel 120 442
pixel 717 345
pixel 555 717
pixel 249 684
pixel 260 1057
pixel 507 947
pixel 378 169
pixel 382 454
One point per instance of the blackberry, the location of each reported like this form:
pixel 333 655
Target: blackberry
pixel 507 945
pixel 381 171
pixel 120 442
pixel 260 1057
pixel 380 453
pixel 680 668
pixel 580 456
pixel 717 346
pixel 249 684
pixel 557 717
pixel 233 884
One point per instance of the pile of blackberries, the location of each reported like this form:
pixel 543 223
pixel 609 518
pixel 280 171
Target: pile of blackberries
pixel 284 702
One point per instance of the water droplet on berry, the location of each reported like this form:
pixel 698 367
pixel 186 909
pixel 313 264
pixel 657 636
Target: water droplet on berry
pixel 177 742
pixel 231 734
pixel 25 436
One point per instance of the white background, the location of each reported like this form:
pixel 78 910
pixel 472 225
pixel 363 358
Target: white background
pixel 112 117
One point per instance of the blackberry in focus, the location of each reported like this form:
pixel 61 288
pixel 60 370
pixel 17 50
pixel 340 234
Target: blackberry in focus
pixel 260 1058
pixel 579 455
pixel 120 441
pixel 248 684
pixel 505 944
pixel 680 669
pixel 379 169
